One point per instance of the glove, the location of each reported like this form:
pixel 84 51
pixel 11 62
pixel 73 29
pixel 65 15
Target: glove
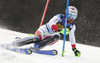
pixel 76 52
pixel 62 31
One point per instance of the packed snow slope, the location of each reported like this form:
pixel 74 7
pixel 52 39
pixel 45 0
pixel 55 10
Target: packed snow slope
pixel 89 54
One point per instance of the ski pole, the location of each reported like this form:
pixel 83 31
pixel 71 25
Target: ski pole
pixel 41 34
pixel 67 32
pixel 44 13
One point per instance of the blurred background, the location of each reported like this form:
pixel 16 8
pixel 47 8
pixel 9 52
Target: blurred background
pixel 25 16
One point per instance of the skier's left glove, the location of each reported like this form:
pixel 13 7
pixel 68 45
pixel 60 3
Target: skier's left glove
pixel 76 52
pixel 62 31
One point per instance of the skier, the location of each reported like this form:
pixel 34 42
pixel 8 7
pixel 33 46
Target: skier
pixel 50 32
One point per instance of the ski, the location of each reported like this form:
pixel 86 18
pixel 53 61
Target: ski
pixel 47 52
pixel 29 51
pixel 19 50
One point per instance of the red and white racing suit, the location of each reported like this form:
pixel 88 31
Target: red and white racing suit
pixel 50 28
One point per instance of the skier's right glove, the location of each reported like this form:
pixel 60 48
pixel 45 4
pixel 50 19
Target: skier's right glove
pixel 76 52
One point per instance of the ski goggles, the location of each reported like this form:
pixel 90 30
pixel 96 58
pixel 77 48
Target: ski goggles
pixel 72 16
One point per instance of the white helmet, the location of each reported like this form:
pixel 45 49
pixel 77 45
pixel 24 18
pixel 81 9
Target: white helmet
pixel 72 12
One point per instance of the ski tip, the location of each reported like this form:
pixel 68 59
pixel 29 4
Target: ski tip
pixel 55 52
pixel 28 51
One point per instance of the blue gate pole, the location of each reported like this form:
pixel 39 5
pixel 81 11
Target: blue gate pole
pixel 63 51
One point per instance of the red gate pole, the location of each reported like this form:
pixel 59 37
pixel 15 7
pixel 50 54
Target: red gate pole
pixel 43 16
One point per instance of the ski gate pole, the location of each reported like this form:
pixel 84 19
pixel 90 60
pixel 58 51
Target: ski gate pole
pixel 44 12
pixel 63 51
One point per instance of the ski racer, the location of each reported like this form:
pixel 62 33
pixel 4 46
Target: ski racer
pixel 50 32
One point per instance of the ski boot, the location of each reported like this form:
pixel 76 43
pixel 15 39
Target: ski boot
pixel 36 47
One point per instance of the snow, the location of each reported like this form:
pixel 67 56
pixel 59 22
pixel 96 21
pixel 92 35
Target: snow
pixel 89 54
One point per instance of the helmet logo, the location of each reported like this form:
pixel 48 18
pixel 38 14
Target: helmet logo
pixel 72 8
